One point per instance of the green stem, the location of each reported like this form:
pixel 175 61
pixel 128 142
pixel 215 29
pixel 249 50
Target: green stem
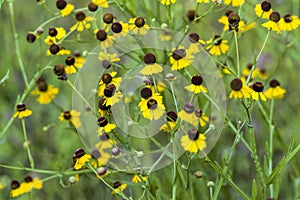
pixel 174 98
pixel 16 39
pixel 220 171
pixel 26 142
pixel 237 54
pixel 257 58
pixel 271 134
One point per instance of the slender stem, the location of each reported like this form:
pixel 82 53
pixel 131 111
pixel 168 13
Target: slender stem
pixel 78 93
pixel 271 134
pixel 27 143
pixel 220 171
pixel 16 40
pixel 257 58
pixel 174 98
pixel 237 54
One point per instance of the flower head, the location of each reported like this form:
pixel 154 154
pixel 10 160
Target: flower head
pixel 108 78
pixel 239 89
pixel 275 91
pixel 64 7
pixel 171 122
pixel 193 141
pixel 138 25
pixel 216 45
pixel 120 29
pixel 72 116
pixel 22 111
pixel 180 58
pixel 82 22
pixel 107 59
pixel 263 10
pixel 193 116
pixel 273 24
pixel 196 87
pixel 195 45
pixel 45 92
pixel 80 158
pixel 105 39
pixel 138 179
pixel 257 93
pixel 104 126
pixel 151 66
pixel 118 187
pixel 289 22
pixel 151 104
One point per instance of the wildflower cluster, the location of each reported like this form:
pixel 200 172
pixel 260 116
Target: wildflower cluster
pixel 137 86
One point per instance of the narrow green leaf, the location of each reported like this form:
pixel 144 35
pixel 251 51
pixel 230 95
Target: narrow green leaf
pixel 254 190
pixel 6 76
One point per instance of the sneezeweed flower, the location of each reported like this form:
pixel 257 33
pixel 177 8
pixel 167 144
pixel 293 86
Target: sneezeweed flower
pixel 289 22
pixel 108 78
pixel 138 179
pixel 165 36
pixel 151 104
pixel 195 45
pixel 16 190
pixel 242 26
pixel 108 19
pixel 171 122
pixel 216 45
pixel 72 116
pixel 80 158
pixel 167 2
pixel 263 10
pixel 59 70
pixel 257 93
pixel 57 49
pixel 180 58
pixel 31 37
pixel 79 60
pixel 45 92
pixel 31 183
pixel 120 29
pixel 82 22
pixel 151 66
pixel 105 39
pixel 193 116
pixel 101 3
pixel 104 126
pixel 191 14
pixel 202 118
pixel 70 65
pixel 103 147
pixel 22 111
pixel 196 87
pixel 115 152
pixel 275 91
pixel 108 59
pixel 233 21
pixel 138 26
pixel 234 3
pixel 103 108
pixel 92 7
pixel 112 94
pixel 55 33
pixel 118 187
pixel 272 24
pixel 239 89
pixel 64 7
pixel 247 69
pixel 193 141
